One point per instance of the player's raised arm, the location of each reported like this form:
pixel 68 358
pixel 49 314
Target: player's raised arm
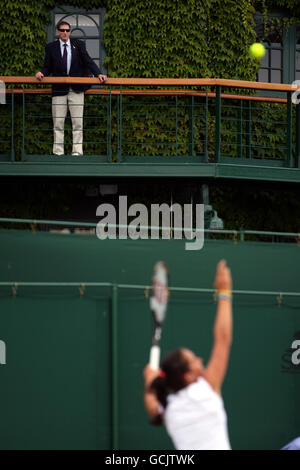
pixel 151 402
pixel 217 365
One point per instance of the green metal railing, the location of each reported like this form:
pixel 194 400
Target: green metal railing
pixel 37 127
pixel 234 235
pixel 158 120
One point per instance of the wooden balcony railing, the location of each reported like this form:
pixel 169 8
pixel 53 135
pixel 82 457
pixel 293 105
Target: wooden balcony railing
pixel 145 120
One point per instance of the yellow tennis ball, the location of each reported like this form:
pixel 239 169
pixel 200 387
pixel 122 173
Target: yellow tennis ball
pixel 257 50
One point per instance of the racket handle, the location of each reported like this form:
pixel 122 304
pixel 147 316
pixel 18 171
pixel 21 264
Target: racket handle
pixel 154 357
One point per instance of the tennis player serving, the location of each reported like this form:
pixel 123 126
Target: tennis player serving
pixel 185 395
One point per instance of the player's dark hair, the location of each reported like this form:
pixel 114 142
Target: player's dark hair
pixel 61 23
pixel 173 366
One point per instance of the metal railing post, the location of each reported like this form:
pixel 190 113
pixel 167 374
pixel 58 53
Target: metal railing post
pixel 206 127
pixel 12 124
pixel 289 123
pixel 23 124
pixel 298 135
pixel 248 130
pixel 191 125
pixel 176 117
pixel 109 117
pixel 240 131
pixel 120 111
pixel 114 369
pixel 218 125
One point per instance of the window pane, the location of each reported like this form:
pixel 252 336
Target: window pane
pixel 95 18
pixel 276 59
pixel 298 34
pixel 276 44
pixel 298 75
pixel 88 25
pixel 270 33
pixel 76 33
pixel 57 18
pixel 263 75
pixel 276 76
pixel 265 59
pixel 70 19
pixel 297 60
pixel 92 46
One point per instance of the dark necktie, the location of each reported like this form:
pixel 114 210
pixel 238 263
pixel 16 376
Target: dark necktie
pixel 65 59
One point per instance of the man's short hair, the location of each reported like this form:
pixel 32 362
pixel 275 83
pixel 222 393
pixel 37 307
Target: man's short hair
pixel 61 23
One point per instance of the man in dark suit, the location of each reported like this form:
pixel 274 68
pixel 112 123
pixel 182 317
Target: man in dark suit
pixel 67 57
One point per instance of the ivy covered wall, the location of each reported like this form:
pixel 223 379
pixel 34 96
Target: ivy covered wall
pixel 150 38
pixel 153 38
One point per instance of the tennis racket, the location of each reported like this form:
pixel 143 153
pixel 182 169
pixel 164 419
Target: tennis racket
pixel 158 306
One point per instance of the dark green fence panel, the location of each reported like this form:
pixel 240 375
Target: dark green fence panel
pixel 73 375
pixel 54 392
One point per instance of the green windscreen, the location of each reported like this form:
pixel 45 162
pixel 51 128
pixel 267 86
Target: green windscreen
pixel 78 334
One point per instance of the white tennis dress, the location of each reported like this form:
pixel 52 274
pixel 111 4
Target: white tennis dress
pixel 195 418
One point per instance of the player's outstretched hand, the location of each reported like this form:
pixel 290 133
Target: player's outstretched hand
pixel 223 280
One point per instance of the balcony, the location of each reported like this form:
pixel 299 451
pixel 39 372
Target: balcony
pixel 210 128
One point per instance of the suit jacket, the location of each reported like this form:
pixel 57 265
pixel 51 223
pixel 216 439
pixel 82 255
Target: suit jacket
pixel 81 61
